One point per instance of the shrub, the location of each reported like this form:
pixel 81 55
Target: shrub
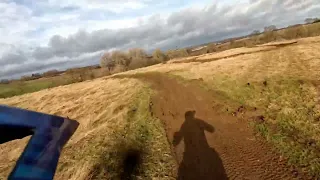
pixel 212 48
pixel 269 36
pixel 106 61
pixel 118 68
pixel 138 58
pixel 159 56
pixel 177 53
pixel 51 73
pixel 121 58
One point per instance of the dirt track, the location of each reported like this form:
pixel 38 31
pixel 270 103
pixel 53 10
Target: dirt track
pixel 207 144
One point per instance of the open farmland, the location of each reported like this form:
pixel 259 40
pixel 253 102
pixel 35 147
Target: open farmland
pixel 246 113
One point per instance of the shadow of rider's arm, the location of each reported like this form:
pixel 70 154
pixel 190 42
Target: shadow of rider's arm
pixel 177 137
pixel 206 126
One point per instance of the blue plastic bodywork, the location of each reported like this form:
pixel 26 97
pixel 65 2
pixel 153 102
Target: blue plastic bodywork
pixel 49 134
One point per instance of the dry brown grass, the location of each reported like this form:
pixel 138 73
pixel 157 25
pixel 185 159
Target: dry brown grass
pixel 101 107
pixel 92 104
pixel 279 43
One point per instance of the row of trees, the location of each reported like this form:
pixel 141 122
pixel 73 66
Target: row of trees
pixel 132 59
pixel 265 29
pixel 273 27
pixel 137 58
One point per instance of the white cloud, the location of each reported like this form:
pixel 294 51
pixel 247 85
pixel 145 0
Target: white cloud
pixel 13 22
pixel 110 5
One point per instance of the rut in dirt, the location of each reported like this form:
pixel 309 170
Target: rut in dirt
pixel 208 144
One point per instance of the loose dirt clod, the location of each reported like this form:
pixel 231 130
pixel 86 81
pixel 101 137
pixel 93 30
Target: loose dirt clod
pixel 265 83
pixel 259 119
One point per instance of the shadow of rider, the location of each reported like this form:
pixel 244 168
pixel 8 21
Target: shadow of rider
pixel 199 161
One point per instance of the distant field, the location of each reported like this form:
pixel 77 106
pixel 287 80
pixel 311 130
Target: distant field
pixel 22 87
pixel 18 88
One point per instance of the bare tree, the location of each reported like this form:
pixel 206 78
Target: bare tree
pixel 107 61
pixel 177 53
pixel 121 58
pixel 138 58
pixel 137 53
pixel 159 56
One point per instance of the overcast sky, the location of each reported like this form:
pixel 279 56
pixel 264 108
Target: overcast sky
pixel 39 35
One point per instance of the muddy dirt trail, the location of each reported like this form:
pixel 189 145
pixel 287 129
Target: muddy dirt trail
pixel 208 144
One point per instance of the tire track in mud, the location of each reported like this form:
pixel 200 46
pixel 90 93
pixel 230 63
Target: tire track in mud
pixel 206 143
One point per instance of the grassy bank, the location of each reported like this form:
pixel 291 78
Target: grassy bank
pixel 287 115
pixel 135 149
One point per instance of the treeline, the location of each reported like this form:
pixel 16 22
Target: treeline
pixel 117 61
pixel 34 76
pixel 52 73
pixel 270 34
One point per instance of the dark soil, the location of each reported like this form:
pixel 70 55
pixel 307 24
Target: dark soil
pixel 207 143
